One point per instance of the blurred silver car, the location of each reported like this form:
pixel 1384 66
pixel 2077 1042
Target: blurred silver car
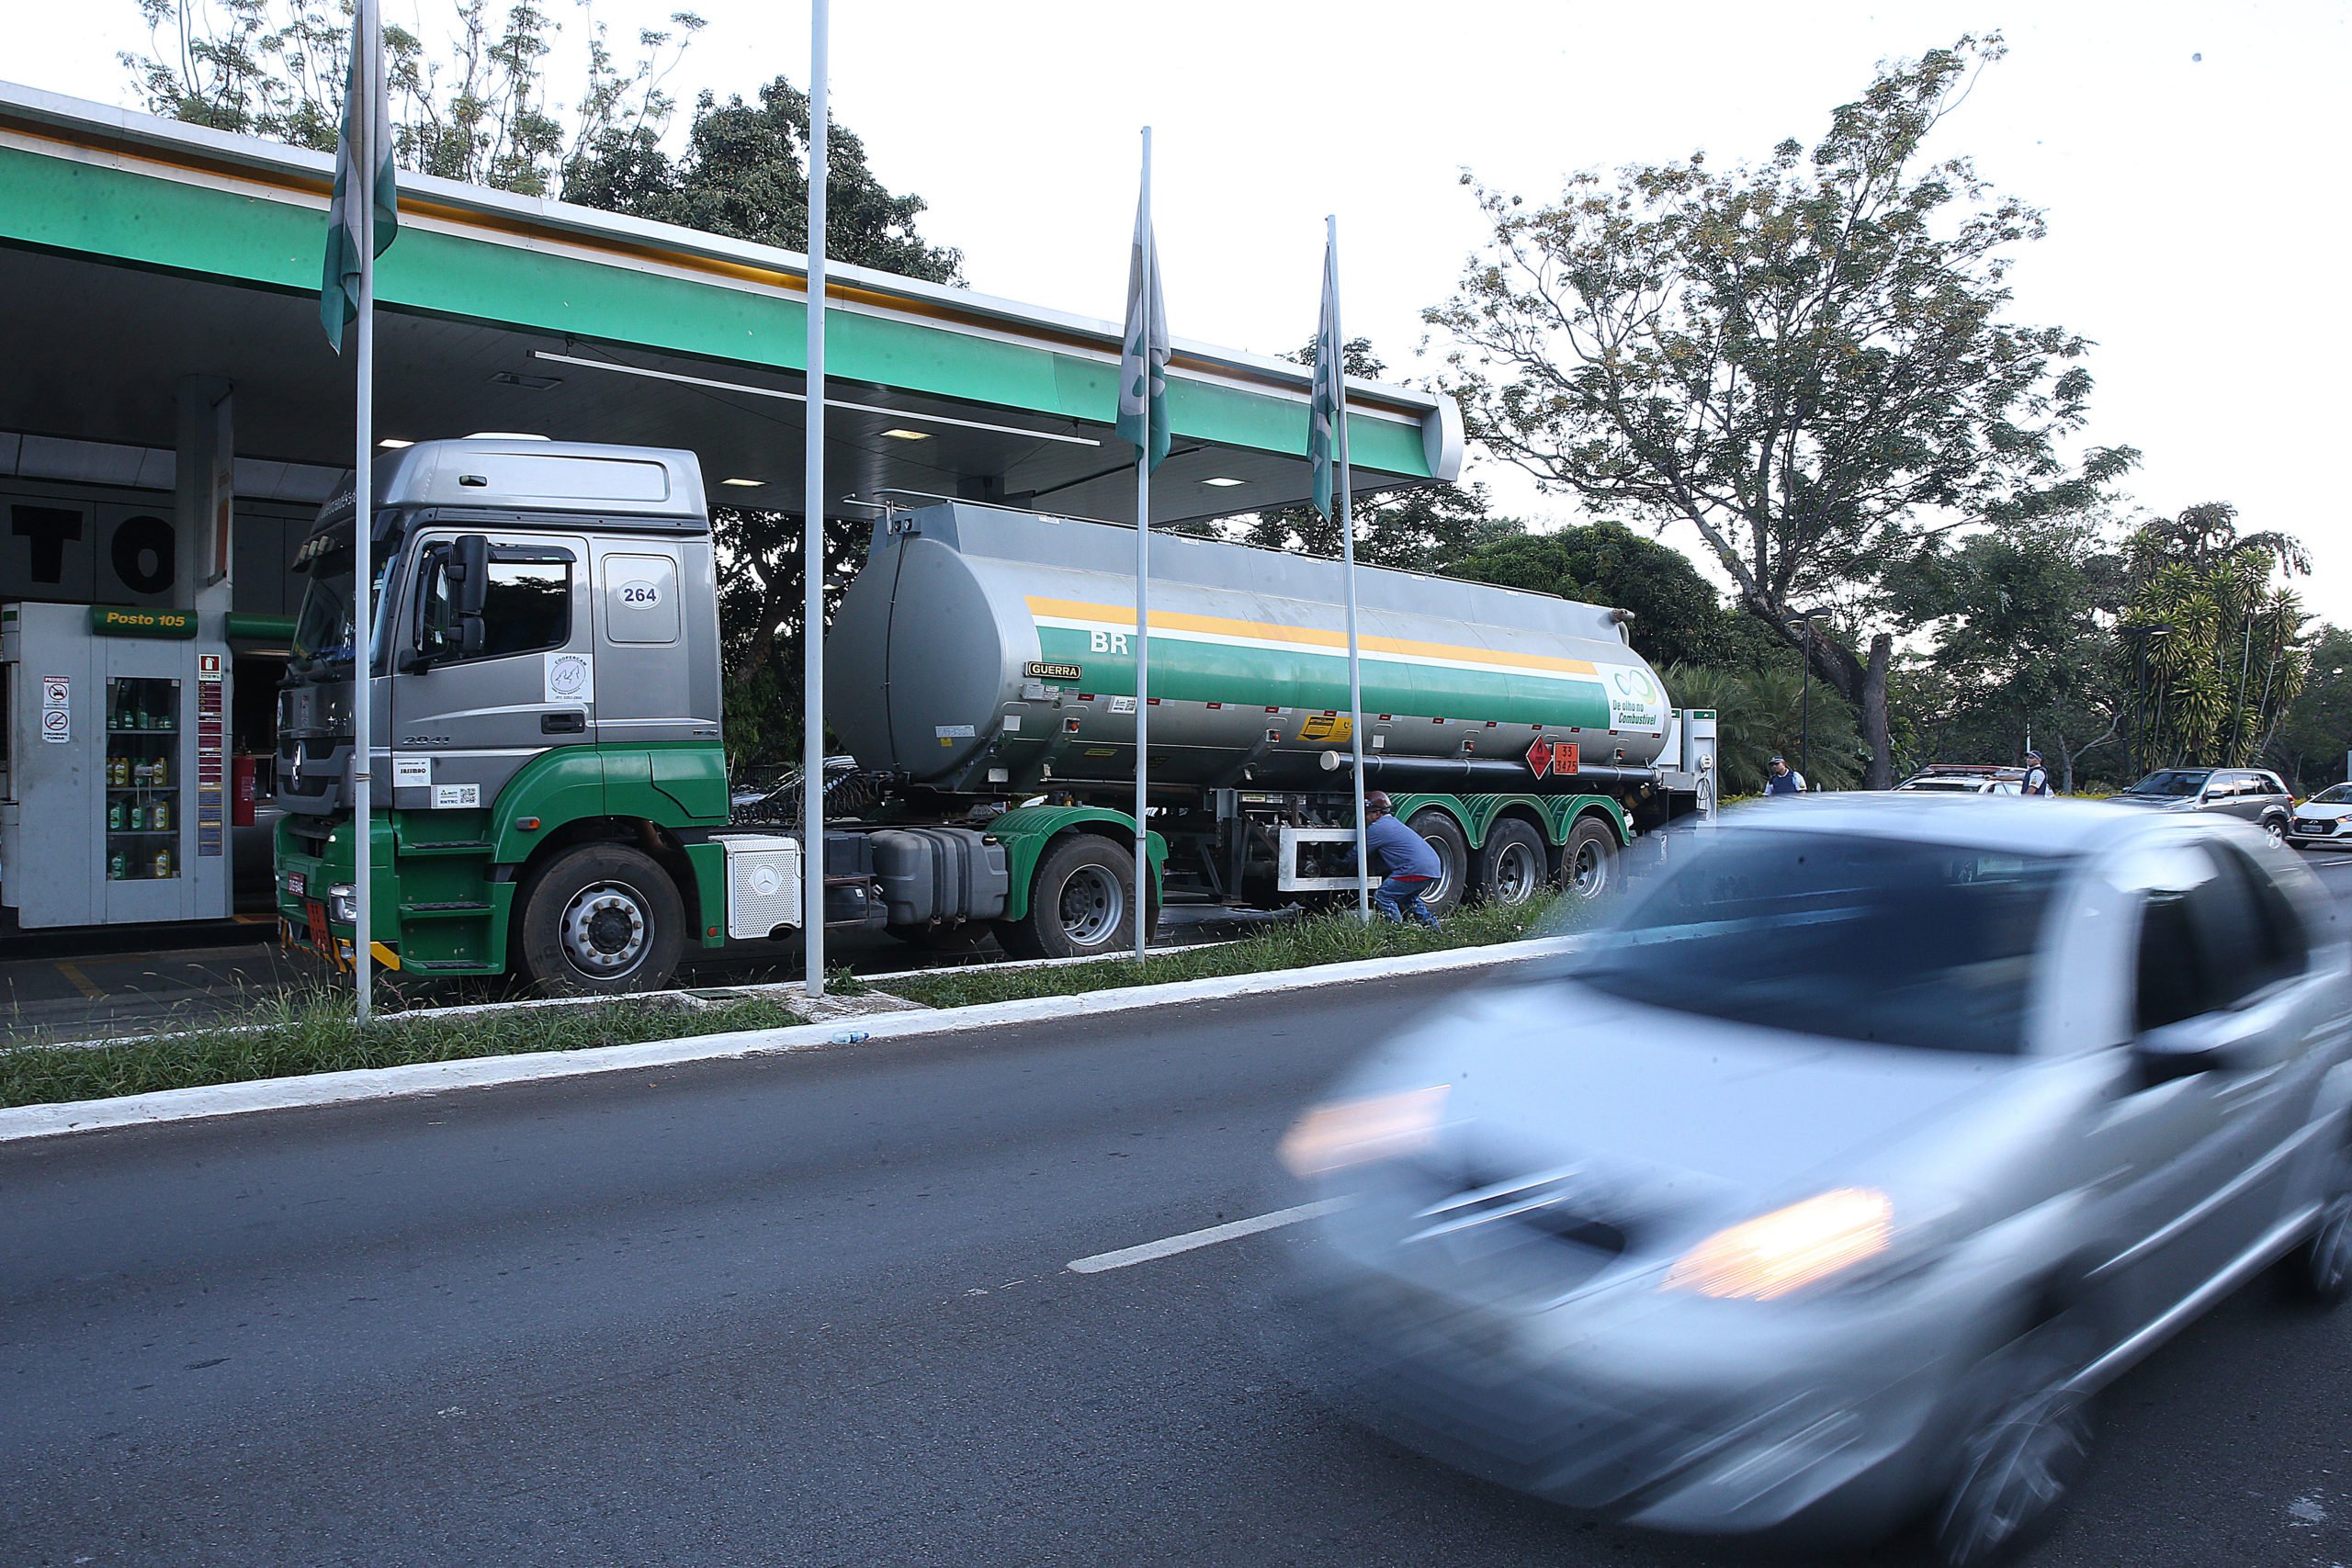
pixel 1824 1189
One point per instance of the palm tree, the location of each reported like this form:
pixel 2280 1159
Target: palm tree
pixel 2232 658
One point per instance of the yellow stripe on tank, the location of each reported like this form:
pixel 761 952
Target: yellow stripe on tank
pixel 1117 615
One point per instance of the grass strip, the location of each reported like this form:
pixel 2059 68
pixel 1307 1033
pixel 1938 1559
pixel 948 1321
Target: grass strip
pixel 1333 938
pixel 314 1033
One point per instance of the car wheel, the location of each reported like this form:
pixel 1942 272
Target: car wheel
pixel 2326 1257
pixel 2028 1441
pixel 2275 828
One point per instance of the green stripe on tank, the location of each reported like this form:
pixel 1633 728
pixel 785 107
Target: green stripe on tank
pixel 1184 671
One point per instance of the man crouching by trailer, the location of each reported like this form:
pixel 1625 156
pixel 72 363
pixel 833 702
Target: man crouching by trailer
pixel 1407 863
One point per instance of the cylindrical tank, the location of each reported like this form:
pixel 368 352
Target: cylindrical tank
pixel 990 651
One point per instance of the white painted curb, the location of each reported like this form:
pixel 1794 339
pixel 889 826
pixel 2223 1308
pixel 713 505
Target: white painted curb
pixel 23 1121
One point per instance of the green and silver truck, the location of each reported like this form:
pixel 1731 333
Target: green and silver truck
pixel 552 794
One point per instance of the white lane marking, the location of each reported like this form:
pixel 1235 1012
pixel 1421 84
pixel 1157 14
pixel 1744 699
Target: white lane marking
pixel 1232 1230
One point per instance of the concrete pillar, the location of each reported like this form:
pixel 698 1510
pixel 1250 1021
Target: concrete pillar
pixel 204 502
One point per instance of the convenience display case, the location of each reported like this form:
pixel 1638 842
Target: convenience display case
pixel 112 810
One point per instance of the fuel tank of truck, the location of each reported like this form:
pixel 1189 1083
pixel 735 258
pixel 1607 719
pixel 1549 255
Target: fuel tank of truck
pixel 989 651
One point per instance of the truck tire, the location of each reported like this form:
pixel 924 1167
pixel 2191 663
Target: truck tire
pixel 1588 859
pixel 1081 901
pixel 1511 864
pixel 599 920
pixel 1444 835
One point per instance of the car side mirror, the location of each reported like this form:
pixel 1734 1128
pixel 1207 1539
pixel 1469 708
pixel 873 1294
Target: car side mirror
pixel 467 570
pixel 2208 1043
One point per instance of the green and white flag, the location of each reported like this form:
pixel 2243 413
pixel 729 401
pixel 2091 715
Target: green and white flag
pixel 1143 351
pixel 363 177
pixel 1330 392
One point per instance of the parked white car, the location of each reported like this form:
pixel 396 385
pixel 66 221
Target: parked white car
pixel 2325 818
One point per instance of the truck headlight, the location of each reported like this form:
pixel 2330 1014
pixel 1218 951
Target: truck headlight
pixel 343 904
pixel 1358 1132
pixel 1789 1249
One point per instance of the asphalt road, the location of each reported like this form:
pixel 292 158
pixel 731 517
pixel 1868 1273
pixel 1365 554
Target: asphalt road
pixel 816 1309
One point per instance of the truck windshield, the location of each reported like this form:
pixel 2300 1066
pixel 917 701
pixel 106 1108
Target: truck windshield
pixel 1852 937
pixel 323 628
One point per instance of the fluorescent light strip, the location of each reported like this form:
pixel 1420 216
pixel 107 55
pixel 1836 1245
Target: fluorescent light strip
pixel 803 397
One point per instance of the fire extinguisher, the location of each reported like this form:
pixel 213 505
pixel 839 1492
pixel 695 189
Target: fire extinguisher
pixel 241 797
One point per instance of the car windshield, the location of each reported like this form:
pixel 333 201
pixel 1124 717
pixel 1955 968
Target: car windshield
pixel 2334 794
pixel 2173 784
pixel 1855 938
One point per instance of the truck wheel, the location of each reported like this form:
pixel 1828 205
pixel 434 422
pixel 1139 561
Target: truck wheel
pixel 1081 901
pixel 1511 864
pixel 600 918
pixel 1444 835
pixel 1588 859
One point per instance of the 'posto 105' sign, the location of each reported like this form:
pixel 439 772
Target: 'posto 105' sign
pixel 81 552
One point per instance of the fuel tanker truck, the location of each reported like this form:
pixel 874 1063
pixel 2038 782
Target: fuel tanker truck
pixel 551 793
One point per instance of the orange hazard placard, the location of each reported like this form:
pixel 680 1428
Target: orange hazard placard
pixel 1551 757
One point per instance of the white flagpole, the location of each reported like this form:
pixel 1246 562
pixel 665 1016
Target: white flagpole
pixel 1348 562
pixel 1143 567
pixel 812 532
pixel 361 117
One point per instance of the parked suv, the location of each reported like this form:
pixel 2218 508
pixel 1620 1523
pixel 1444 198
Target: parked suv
pixel 2249 792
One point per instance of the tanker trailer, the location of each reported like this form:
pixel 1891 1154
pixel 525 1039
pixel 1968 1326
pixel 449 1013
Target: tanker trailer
pixel 985 657
pixel 551 792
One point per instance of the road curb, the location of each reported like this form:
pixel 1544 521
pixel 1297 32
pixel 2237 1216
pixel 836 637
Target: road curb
pixel 18 1124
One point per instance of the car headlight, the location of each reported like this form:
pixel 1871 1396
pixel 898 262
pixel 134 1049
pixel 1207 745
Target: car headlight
pixel 1773 1254
pixel 1358 1132
pixel 343 904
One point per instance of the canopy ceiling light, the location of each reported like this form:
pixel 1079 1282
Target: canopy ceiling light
pixel 716 386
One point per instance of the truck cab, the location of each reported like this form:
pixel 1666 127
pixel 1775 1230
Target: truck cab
pixel 546 711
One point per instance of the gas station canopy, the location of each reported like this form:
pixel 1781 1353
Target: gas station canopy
pixel 136 253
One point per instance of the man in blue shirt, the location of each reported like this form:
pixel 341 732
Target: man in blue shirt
pixel 1407 863
pixel 1784 779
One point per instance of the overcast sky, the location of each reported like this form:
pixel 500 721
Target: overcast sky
pixel 2190 157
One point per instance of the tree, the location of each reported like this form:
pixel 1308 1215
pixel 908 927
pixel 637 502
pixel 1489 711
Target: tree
pixel 2225 653
pixel 1806 361
pixel 2024 645
pixel 745 175
pixel 2313 741
pixel 276 69
pixel 1760 712
pixel 1678 617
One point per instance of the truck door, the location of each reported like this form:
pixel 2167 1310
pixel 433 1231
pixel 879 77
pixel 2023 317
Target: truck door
pixel 465 723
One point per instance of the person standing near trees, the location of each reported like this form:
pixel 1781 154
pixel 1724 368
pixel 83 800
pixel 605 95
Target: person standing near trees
pixel 1785 780
pixel 2037 777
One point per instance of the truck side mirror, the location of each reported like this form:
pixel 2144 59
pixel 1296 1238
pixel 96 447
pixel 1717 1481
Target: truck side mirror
pixel 468 572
